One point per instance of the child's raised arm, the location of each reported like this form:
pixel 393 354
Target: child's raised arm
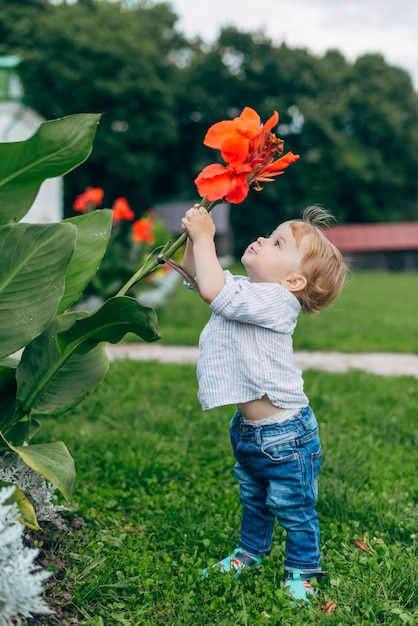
pixel 200 256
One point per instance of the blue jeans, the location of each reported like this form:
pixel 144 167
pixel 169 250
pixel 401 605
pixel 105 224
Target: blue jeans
pixel 277 469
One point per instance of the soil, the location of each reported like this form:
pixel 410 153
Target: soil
pixel 48 542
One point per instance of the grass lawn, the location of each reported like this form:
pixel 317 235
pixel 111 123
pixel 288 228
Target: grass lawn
pixel 377 312
pixel 158 497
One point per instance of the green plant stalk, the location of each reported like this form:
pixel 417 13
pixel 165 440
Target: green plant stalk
pixel 147 268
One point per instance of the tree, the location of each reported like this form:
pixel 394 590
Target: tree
pixel 343 119
pixel 104 57
pixel 378 158
pixel 17 22
pixel 354 124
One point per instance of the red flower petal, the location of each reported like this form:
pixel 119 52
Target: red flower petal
pixel 214 181
pixel 234 138
pixel 90 199
pixel 142 231
pixel 249 120
pixel 239 190
pixel 95 194
pixel 282 163
pixel 122 210
pixel 235 149
pixel 217 182
pixel 217 134
pixel 271 122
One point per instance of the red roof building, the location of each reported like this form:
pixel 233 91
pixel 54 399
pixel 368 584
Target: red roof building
pixel 392 246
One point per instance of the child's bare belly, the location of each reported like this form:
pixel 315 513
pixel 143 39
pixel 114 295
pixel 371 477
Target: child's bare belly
pixel 258 409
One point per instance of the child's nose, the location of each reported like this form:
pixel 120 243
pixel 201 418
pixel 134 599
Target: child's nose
pixel 261 240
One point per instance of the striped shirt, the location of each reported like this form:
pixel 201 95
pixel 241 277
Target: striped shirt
pixel 246 347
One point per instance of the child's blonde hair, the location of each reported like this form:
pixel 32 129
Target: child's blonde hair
pixel 322 263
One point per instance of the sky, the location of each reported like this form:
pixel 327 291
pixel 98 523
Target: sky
pixel 354 27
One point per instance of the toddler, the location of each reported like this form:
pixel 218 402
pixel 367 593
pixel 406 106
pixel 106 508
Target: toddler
pixel 246 359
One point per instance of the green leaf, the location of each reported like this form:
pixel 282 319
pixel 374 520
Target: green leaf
pixel 50 383
pixel 18 433
pixel 93 232
pixel 111 322
pixel 7 394
pixel 57 147
pixel 26 510
pixel 52 461
pixel 33 262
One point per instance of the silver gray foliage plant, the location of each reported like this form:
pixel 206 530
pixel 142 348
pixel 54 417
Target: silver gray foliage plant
pixel 20 578
pixel 39 492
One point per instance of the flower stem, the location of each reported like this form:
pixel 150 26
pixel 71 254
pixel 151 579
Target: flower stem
pixel 151 264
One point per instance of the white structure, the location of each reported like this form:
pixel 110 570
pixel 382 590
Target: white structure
pixel 17 123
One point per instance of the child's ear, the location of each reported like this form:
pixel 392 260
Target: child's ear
pixel 294 282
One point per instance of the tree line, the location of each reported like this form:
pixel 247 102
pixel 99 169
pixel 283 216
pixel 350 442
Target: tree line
pixel 355 124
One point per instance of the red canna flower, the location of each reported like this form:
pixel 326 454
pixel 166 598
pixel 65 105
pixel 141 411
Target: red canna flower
pixel 237 139
pixel 89 200
pixel 142 231
pixel 249 150
pixel 122 210
pixel 233 183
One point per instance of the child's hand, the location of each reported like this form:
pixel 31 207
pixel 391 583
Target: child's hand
pixel 198 224
pixel 200 254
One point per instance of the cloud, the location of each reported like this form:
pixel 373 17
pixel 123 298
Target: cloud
pixel 354 27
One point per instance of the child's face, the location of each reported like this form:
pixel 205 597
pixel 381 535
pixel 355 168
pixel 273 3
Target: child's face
pixel 273 259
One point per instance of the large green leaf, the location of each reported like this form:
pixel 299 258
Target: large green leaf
pixel 57 147
pixel 33 262
pixel 51 383
pixel 93 231
pixel 111 322
pixel 52 461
